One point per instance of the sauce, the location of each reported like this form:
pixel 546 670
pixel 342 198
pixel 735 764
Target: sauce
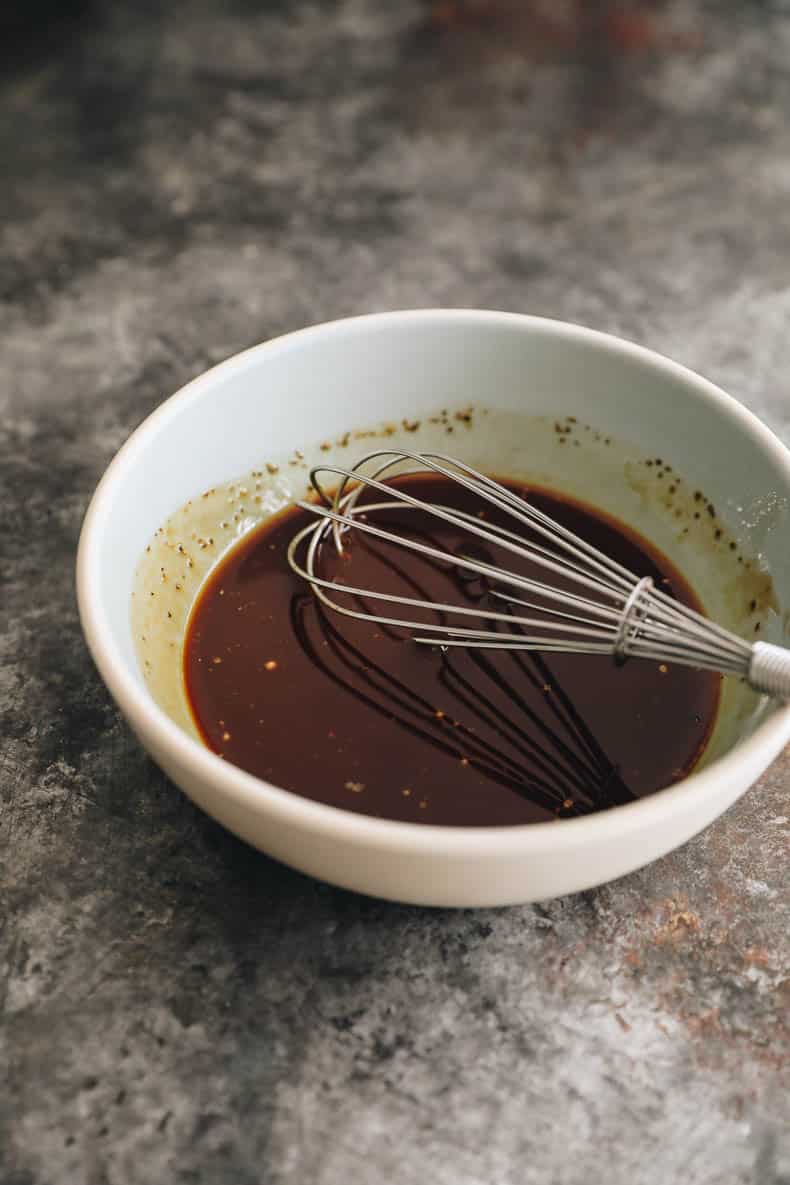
pixel 360 717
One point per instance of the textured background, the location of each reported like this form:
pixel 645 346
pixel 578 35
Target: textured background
pixel 178 182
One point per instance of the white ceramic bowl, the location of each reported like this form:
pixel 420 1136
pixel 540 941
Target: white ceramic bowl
pixel 299 390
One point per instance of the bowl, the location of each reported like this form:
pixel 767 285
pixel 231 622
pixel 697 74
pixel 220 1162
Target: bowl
pixel 605 420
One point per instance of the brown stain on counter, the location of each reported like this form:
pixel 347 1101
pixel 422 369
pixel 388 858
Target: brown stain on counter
pixel 684 957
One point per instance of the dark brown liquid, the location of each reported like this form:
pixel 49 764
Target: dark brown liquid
pixel 361 717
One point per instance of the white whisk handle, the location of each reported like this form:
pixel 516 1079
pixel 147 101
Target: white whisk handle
pixel 769 669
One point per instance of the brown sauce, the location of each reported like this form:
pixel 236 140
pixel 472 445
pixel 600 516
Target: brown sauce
pixel 360 717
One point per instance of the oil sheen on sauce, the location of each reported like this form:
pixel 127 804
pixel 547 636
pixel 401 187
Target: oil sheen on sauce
pixel 360 717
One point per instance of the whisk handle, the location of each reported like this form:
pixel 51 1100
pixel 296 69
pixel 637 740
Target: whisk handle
pixel 769 669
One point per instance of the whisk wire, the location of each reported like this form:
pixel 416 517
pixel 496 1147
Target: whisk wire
pixel 485 488
pixel 579 599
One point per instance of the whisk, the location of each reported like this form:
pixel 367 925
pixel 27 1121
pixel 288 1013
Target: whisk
pixel 584 602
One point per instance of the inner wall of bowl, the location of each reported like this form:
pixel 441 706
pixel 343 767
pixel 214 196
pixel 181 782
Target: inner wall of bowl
pixel 574 457
pixel 493 392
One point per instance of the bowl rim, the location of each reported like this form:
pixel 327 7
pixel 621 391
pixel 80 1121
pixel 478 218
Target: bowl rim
pixel 246 790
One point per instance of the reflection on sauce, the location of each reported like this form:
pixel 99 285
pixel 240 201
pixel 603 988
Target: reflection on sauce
pixel 358 716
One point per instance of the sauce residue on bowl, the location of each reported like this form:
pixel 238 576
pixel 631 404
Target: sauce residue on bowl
pixel 358 716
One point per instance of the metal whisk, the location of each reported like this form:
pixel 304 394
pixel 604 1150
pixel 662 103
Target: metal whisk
pixel 586 603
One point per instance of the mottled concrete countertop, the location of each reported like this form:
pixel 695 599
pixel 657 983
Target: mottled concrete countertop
pixel 178 182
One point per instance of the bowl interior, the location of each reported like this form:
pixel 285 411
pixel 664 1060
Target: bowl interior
pixel 605 422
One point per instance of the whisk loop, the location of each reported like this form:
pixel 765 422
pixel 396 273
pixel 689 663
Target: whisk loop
pixel 584 602
pixel 631 610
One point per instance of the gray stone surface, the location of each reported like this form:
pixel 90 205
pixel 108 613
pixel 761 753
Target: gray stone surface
pixel 180 181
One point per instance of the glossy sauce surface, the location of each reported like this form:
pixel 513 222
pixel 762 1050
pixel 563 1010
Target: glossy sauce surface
pixel 360 717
